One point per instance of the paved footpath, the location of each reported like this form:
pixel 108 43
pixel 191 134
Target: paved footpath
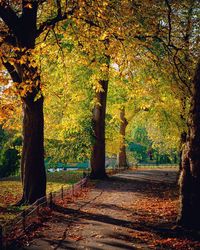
pixel 103 218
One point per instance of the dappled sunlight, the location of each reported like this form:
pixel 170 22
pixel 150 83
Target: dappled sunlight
pixel 119 214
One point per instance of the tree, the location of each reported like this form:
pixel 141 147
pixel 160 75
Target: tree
pixel 95 31
pixel 190 175
pixel 19 30
pixel 122 158
pixel 68 105
pixel 98 124
pixel 184 53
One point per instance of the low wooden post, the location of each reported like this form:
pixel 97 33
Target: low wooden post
pixel 82 185
pixel 51 200
pixel 84 174
pixel 88 171
pixel 73 190
pixel 62 193
pixel 38 209
pixel 24 220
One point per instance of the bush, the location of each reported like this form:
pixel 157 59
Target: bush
pixel 9 154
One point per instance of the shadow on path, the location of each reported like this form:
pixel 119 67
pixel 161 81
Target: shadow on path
pixel 108 218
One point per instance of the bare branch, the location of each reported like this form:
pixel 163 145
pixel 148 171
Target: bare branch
pixel 169 21
pixel 179 75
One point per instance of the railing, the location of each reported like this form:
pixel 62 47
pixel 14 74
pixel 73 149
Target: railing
pixel 16 228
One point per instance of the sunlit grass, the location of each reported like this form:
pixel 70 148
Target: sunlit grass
pixel 159 166
pixel 11 190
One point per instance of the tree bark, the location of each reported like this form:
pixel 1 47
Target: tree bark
pixel 122 158
pixel 190 176
pixel 98 122
pixel 32 162
pixel 181 147
pixel 183 136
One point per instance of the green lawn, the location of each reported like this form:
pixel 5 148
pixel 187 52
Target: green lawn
pixel 11 190
pixel 154 166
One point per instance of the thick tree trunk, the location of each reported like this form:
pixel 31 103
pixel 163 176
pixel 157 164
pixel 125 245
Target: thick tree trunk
pixel 32 162
pixel 122 159
pixel 190 176
pixel 98 122
pixel 98 154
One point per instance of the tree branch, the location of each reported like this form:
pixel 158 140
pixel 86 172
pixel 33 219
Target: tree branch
pixel 8 39
pixel 53 21
pixel 59 11
pixel 169 21
pixel 9 17
pixel 11 69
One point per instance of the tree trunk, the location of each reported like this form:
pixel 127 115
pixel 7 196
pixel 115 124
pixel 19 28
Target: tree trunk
pixel 181 149
pixel 98 122
pixel 190 176
pixel 122 159
pixel 32 162
pixel 183 134
pixel 182 143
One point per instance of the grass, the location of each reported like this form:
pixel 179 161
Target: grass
pixel 154 166
pixel 11 190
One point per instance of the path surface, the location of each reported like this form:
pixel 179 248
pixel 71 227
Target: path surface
pixel 107 216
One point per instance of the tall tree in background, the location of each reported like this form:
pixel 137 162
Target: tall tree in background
pixel 19 30
pixel 98 123
pixel 177 32
pixel 97 21
pixel 122 158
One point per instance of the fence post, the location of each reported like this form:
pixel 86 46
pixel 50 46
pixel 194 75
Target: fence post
pixel 24 220
pixel 72 189
pixel 84 174
pixel 62 193
pixel 82 184
pixel 50 200
pixel 88 171
pixel 1 237
pixel 38 209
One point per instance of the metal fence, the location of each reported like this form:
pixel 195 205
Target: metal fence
pixel 18 226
